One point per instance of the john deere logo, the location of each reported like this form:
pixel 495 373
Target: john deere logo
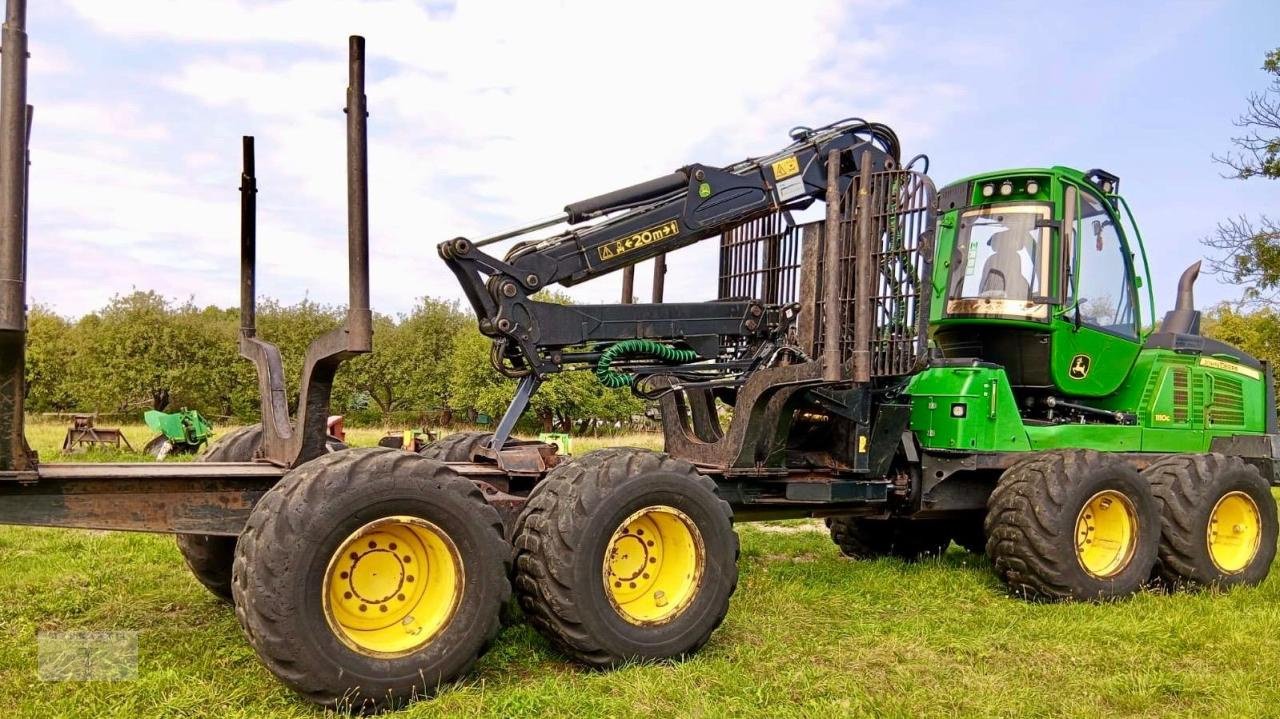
pixel 1079 367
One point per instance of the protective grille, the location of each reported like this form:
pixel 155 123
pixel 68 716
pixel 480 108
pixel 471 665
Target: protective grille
pixel 1226 404
pixel 899 214
pixel 1180 395
pixel 760 259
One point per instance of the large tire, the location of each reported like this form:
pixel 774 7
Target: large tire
pixel 457 447
pixel 1072 524
pixel 593 510
pixel 906 539
pixel 210 556
pixel 1188 489
pixel 299 578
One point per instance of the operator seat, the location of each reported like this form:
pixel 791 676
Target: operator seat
pixel 1002 271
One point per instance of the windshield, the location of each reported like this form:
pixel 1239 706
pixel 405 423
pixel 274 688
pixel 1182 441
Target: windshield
pixel 1001 262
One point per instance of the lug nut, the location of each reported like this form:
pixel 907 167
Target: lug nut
pixel 509 289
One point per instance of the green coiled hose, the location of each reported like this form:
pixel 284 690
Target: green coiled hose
pixel 615 379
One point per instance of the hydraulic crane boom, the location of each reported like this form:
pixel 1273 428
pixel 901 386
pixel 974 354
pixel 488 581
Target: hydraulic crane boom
pixel 639 222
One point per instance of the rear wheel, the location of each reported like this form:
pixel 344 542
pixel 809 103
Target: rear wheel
pixel 457 447
pixel 625 554
pixel 1072 524
pixel 1218 521
pixel 208 555
pixel 906 539
pixel 368 578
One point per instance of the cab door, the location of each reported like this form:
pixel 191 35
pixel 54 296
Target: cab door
pixel 1096 339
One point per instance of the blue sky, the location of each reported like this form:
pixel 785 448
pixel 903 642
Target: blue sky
pixel 487 114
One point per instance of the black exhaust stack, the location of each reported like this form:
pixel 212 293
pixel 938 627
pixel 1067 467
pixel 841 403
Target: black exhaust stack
pixel 1184 318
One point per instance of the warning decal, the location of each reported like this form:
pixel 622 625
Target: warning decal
pixel 643 238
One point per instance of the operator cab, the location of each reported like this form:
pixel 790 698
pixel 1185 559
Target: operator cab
pixel 1040 275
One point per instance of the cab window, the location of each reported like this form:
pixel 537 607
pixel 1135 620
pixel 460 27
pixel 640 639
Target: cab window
pixel 1000 263
pixel 1104 285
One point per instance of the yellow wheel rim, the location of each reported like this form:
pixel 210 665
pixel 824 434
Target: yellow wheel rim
pixel 653 565
pixel 1106 533
pixel 392 586
pixel 1234 532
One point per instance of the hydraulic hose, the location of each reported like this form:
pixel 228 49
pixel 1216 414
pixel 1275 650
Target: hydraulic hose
pixel 616 379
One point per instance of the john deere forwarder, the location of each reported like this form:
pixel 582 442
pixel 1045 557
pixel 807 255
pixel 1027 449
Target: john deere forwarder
pixel 977 364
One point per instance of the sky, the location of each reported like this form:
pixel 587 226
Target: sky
pixel 486 115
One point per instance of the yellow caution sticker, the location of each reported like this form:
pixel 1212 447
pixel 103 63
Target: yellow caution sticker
pixel 786 167
pixel 1225 366
pixel 643 238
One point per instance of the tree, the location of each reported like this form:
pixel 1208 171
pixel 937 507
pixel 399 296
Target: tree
pixel 49 354
pixel 127 355
pixel 409 367
pixel 1251 248
pixel 473 383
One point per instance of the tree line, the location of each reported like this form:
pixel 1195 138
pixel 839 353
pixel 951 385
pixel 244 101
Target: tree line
pixel 429 366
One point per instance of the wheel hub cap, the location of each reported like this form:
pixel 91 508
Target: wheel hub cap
pixel 392 586
pixel 1106 533
pixel 653 565
pixel 1234 532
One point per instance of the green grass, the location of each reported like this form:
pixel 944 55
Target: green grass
pixel 808 634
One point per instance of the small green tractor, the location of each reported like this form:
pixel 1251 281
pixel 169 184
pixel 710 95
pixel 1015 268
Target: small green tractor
pixel 979 364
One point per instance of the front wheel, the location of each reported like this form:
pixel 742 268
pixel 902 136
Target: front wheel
pixel 625 554
pixel 1072 524
pixel 367 578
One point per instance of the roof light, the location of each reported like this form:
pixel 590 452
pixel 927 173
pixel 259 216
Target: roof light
pixel 1006 188
pixel 1107 186
pixel 1032 187
pixel 988 190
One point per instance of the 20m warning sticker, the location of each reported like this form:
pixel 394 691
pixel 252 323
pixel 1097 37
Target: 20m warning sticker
pixel 643 238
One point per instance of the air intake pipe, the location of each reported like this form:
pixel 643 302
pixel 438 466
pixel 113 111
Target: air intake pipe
pixel 1184 318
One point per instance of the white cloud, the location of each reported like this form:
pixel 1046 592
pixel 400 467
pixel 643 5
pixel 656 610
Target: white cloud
pixel 481 116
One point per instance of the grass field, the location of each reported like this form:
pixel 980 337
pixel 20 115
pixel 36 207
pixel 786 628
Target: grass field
pixel 808 634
